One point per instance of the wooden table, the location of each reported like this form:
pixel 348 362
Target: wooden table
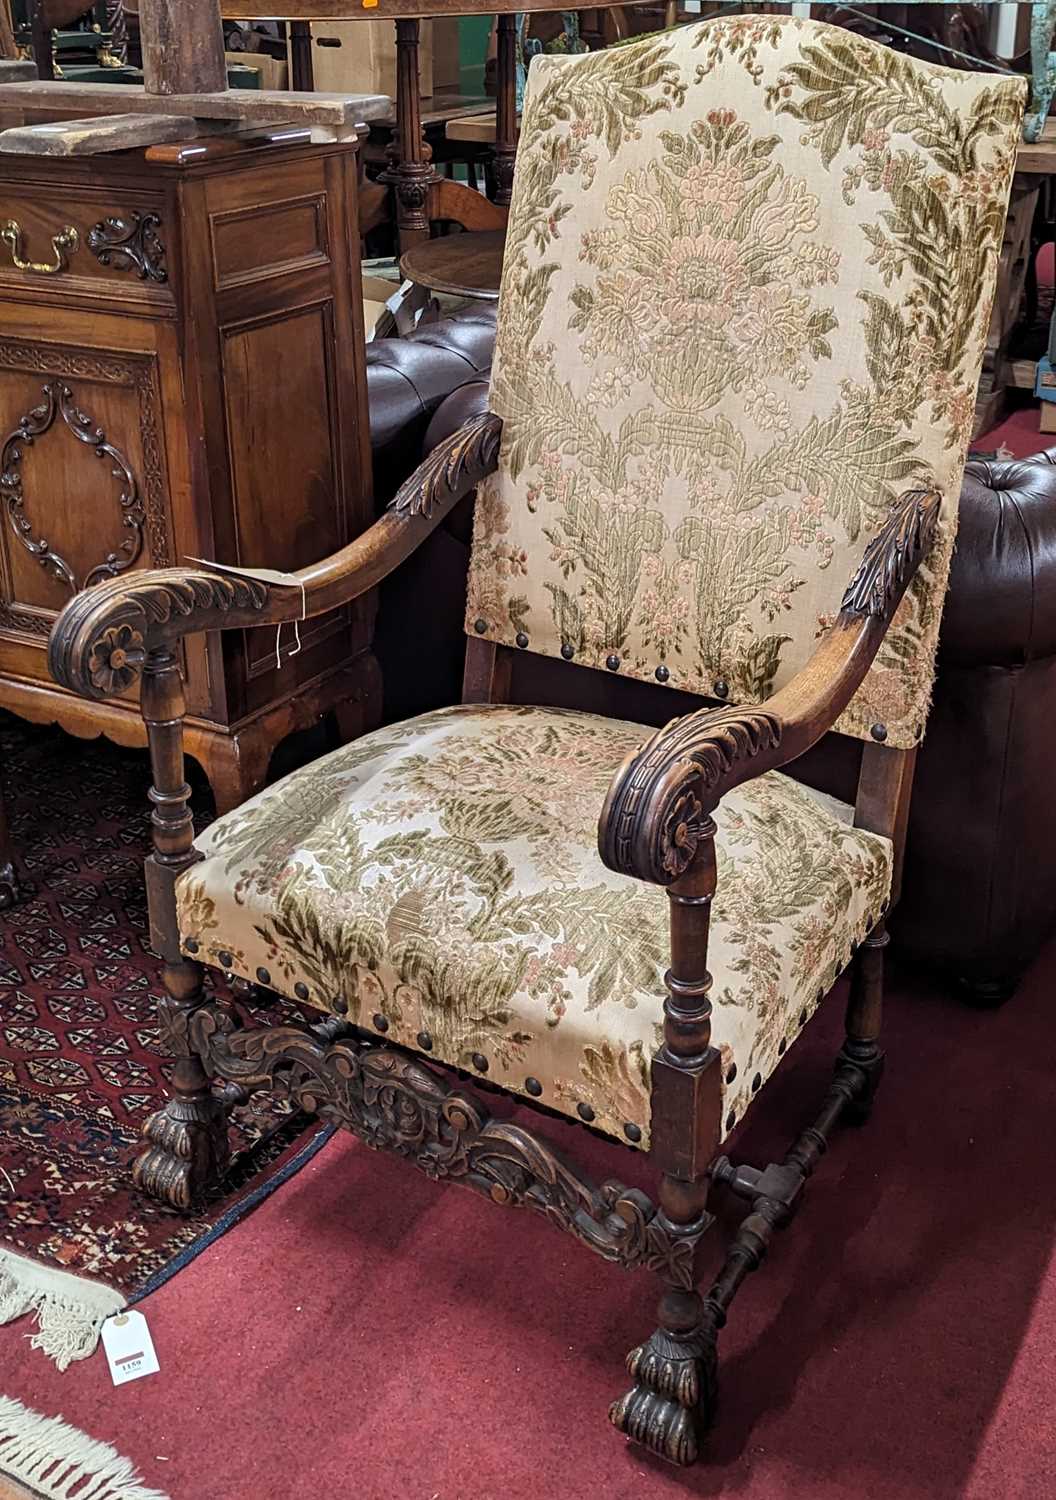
pixel 465 265
pixel 422 196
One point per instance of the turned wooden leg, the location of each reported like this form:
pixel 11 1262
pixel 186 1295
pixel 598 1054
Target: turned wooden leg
pixel 671 1404
pixel 14 886
pixel 185 1141
pixel 186 1150
pixel 410 169
pixel 861 1047
pixel 506 109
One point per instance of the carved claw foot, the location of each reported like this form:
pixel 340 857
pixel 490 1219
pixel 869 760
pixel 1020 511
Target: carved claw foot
pixel 675 1373
pixel 862 1063
pixel 186 1152
pixel 14 887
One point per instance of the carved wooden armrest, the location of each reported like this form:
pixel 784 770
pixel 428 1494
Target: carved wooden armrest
pixel 661 799
pixel 100 641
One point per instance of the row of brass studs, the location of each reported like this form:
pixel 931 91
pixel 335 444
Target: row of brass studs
pixel 662 674
pixel 532 1086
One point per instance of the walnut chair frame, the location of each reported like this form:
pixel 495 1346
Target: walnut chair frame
pixel 656 826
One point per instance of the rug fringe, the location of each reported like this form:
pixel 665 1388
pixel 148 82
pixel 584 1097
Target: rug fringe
pixel 70 1310
pixel 58 1460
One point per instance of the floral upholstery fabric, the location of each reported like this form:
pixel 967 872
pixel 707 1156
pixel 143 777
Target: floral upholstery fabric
pixel 747 285
pixel 443 874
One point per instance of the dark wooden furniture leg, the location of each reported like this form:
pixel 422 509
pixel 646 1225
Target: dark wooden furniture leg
pixel 302 66
pixel 187 1148
pixel 40 36
pixel 506 109
pixel 410 167
pixel 672 1400
pixel 14 886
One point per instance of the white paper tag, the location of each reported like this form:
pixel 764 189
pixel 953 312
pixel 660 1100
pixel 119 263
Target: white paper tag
pixel 129 1347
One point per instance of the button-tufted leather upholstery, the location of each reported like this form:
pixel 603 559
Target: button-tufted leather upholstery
pixel 979 892
pixel 407 380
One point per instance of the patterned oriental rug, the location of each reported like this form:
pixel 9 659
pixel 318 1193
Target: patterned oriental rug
pixel 81 1064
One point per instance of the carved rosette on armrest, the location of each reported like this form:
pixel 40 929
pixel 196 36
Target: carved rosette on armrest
pixel 101 640
pixel 660 802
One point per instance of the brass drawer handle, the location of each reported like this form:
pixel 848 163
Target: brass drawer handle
pixel 66 239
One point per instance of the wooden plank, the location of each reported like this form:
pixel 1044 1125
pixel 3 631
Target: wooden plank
pixel 183 47
pixel 105 133
pixel 12 71
pixel 233 104
pixel 1041 156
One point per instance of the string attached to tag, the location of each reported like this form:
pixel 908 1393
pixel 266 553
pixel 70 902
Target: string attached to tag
pixel 272 576
pixel 296 627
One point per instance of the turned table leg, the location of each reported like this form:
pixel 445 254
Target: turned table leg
pixel 506 109
pixel 410 168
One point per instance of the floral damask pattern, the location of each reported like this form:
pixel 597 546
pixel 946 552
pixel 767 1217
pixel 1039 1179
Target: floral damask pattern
pixel 747 284
pixel 444 874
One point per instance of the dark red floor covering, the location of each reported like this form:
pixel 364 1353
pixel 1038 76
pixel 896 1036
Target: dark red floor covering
pixel 369 1334
pixel 81 1059
pixel 1019 434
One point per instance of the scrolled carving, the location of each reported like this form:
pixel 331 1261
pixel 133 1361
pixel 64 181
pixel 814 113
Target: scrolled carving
pixel 453 468
pixel 104 633
pixel 394 1103
pixel 659 807
pixel 893 555
pixel 130 244
pixel 59 403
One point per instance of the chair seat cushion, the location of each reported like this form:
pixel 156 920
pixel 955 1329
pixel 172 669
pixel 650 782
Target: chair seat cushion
pixel 439 881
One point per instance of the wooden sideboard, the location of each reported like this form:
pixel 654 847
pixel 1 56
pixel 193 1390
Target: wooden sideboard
pixel 182 375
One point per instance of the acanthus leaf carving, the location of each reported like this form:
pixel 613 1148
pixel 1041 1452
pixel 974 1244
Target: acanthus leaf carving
pixel 393 1102
pixel 131 243
pixel 453 468
pixel 658 807
pixel 893 554
pixel 103 635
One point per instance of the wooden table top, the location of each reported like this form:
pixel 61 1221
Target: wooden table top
pixel 465 265
pixel 347 10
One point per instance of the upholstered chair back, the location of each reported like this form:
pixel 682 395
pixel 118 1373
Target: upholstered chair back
pixel 747 286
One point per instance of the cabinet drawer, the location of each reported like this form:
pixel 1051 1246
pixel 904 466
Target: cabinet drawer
pixel 83 243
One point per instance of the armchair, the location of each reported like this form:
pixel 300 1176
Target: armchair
pixel 743 312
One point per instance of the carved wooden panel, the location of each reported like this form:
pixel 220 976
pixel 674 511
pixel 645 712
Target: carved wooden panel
pixel 288 497
pixel 83 492
pixel 269 239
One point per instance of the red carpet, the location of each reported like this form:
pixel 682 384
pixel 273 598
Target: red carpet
pixel 369 1334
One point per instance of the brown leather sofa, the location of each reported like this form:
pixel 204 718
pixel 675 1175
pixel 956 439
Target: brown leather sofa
pixel 979 893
